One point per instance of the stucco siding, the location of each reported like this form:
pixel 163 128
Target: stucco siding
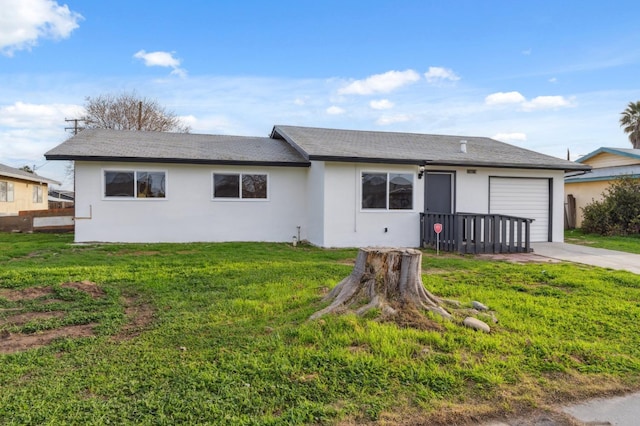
pixel 472 191
pixel 23 197
pixel 188 213
pixel 585 193
pixel 315 188
pixel 347 224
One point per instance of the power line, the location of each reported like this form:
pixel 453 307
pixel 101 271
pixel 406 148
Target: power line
pixel 75 127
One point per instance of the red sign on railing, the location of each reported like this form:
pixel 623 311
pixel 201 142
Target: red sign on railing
pixel 437 227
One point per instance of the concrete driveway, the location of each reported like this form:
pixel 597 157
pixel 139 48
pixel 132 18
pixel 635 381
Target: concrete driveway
pixel 589 256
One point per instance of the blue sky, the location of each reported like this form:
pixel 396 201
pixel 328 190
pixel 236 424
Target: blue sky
pixel 544 75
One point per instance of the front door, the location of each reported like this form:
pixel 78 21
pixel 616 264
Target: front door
pixel 438 192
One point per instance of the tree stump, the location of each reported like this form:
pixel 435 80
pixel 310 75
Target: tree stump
pixel 383 278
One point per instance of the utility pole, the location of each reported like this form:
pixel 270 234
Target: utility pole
pixel 75 127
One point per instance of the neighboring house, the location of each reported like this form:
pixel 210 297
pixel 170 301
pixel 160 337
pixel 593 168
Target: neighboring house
pixel 334 188
pixel 608 164
pixel 60 199
pixel 20 190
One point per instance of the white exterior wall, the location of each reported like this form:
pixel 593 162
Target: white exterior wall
pixel 472 191
pixel 346 224
pixel 189 213
pixel 315 203
pixel 324 200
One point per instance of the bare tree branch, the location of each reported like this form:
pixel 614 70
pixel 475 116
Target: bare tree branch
pixel 128 111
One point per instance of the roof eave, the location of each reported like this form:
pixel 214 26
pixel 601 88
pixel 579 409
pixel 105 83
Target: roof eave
pixel 613 151
pixel 564 167
pixel 177 160
pixel 416 162
pixel 35 178
pixel 599 178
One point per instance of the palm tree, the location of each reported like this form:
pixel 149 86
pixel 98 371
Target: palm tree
pixel 630 121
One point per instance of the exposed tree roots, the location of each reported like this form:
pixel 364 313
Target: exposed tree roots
pixel 384 279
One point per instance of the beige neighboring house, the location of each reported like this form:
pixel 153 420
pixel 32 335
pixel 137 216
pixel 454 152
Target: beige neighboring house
pixel 20 190
pixel 608 164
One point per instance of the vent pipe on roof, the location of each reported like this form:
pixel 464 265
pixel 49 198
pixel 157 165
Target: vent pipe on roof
pixel 463 146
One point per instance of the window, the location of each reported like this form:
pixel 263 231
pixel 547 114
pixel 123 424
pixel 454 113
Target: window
pixel 387 191
pixel 134 184
pixel 37 194
pixel 239 186
pixel 6 192
pixel 150 184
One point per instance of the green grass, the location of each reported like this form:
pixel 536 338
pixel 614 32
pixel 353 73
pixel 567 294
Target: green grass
pixel 231 343
pixel 629 244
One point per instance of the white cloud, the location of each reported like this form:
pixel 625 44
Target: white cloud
pixel 535 104
pixel 526 52
pixel 24 115
pixel 161 59
pixel 381 104
pixel 24 22
pixel 335 110
pixel 546 102
pixel 553 80
pixel 438 75
pixel 510 137
pixel 502 98
pixel 386 120
pixel 380 83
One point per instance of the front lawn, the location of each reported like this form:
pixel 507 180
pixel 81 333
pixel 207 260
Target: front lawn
pixel 227 339
pixel 629 243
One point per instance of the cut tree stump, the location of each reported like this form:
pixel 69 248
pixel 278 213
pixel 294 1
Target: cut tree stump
pixel 387 279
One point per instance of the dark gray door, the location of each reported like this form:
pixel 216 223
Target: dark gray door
pixel 438 196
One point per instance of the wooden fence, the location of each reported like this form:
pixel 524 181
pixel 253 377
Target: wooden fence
pixel 477 233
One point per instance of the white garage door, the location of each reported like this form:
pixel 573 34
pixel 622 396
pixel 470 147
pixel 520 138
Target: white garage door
pixel 522 197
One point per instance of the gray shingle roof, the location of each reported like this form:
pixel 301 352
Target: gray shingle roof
pixel 605 173
pixel 297 146
pixel 103 144
pixel 412 148
pixel 21 174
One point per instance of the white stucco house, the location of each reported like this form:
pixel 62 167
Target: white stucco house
pixel 333 188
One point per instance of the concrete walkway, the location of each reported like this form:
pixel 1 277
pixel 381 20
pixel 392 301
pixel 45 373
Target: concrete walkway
pixel 589 256
pixel 618 411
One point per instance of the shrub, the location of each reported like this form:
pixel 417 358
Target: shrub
pixel 619 211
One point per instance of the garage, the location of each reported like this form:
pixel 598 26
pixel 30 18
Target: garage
pixel 523 197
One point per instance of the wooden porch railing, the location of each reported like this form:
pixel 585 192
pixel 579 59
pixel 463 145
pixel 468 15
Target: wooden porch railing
pixel 477 233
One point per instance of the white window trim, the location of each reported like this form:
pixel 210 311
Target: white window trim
pixel 9 192
pixel 387 209
pixel 135 187
pixel 239 199
pixel 12 192
pixel 37 194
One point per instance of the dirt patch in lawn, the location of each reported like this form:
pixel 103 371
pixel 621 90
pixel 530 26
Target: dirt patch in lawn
pixel 138 316
pixel 10 343
pixel 25 293
pixel 27 317
pixel 88 287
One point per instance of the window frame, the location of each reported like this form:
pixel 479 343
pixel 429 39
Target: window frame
pixel 9 192
pixel 240 175
pixel 37 194
pixel 387 207
pixel 135 195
